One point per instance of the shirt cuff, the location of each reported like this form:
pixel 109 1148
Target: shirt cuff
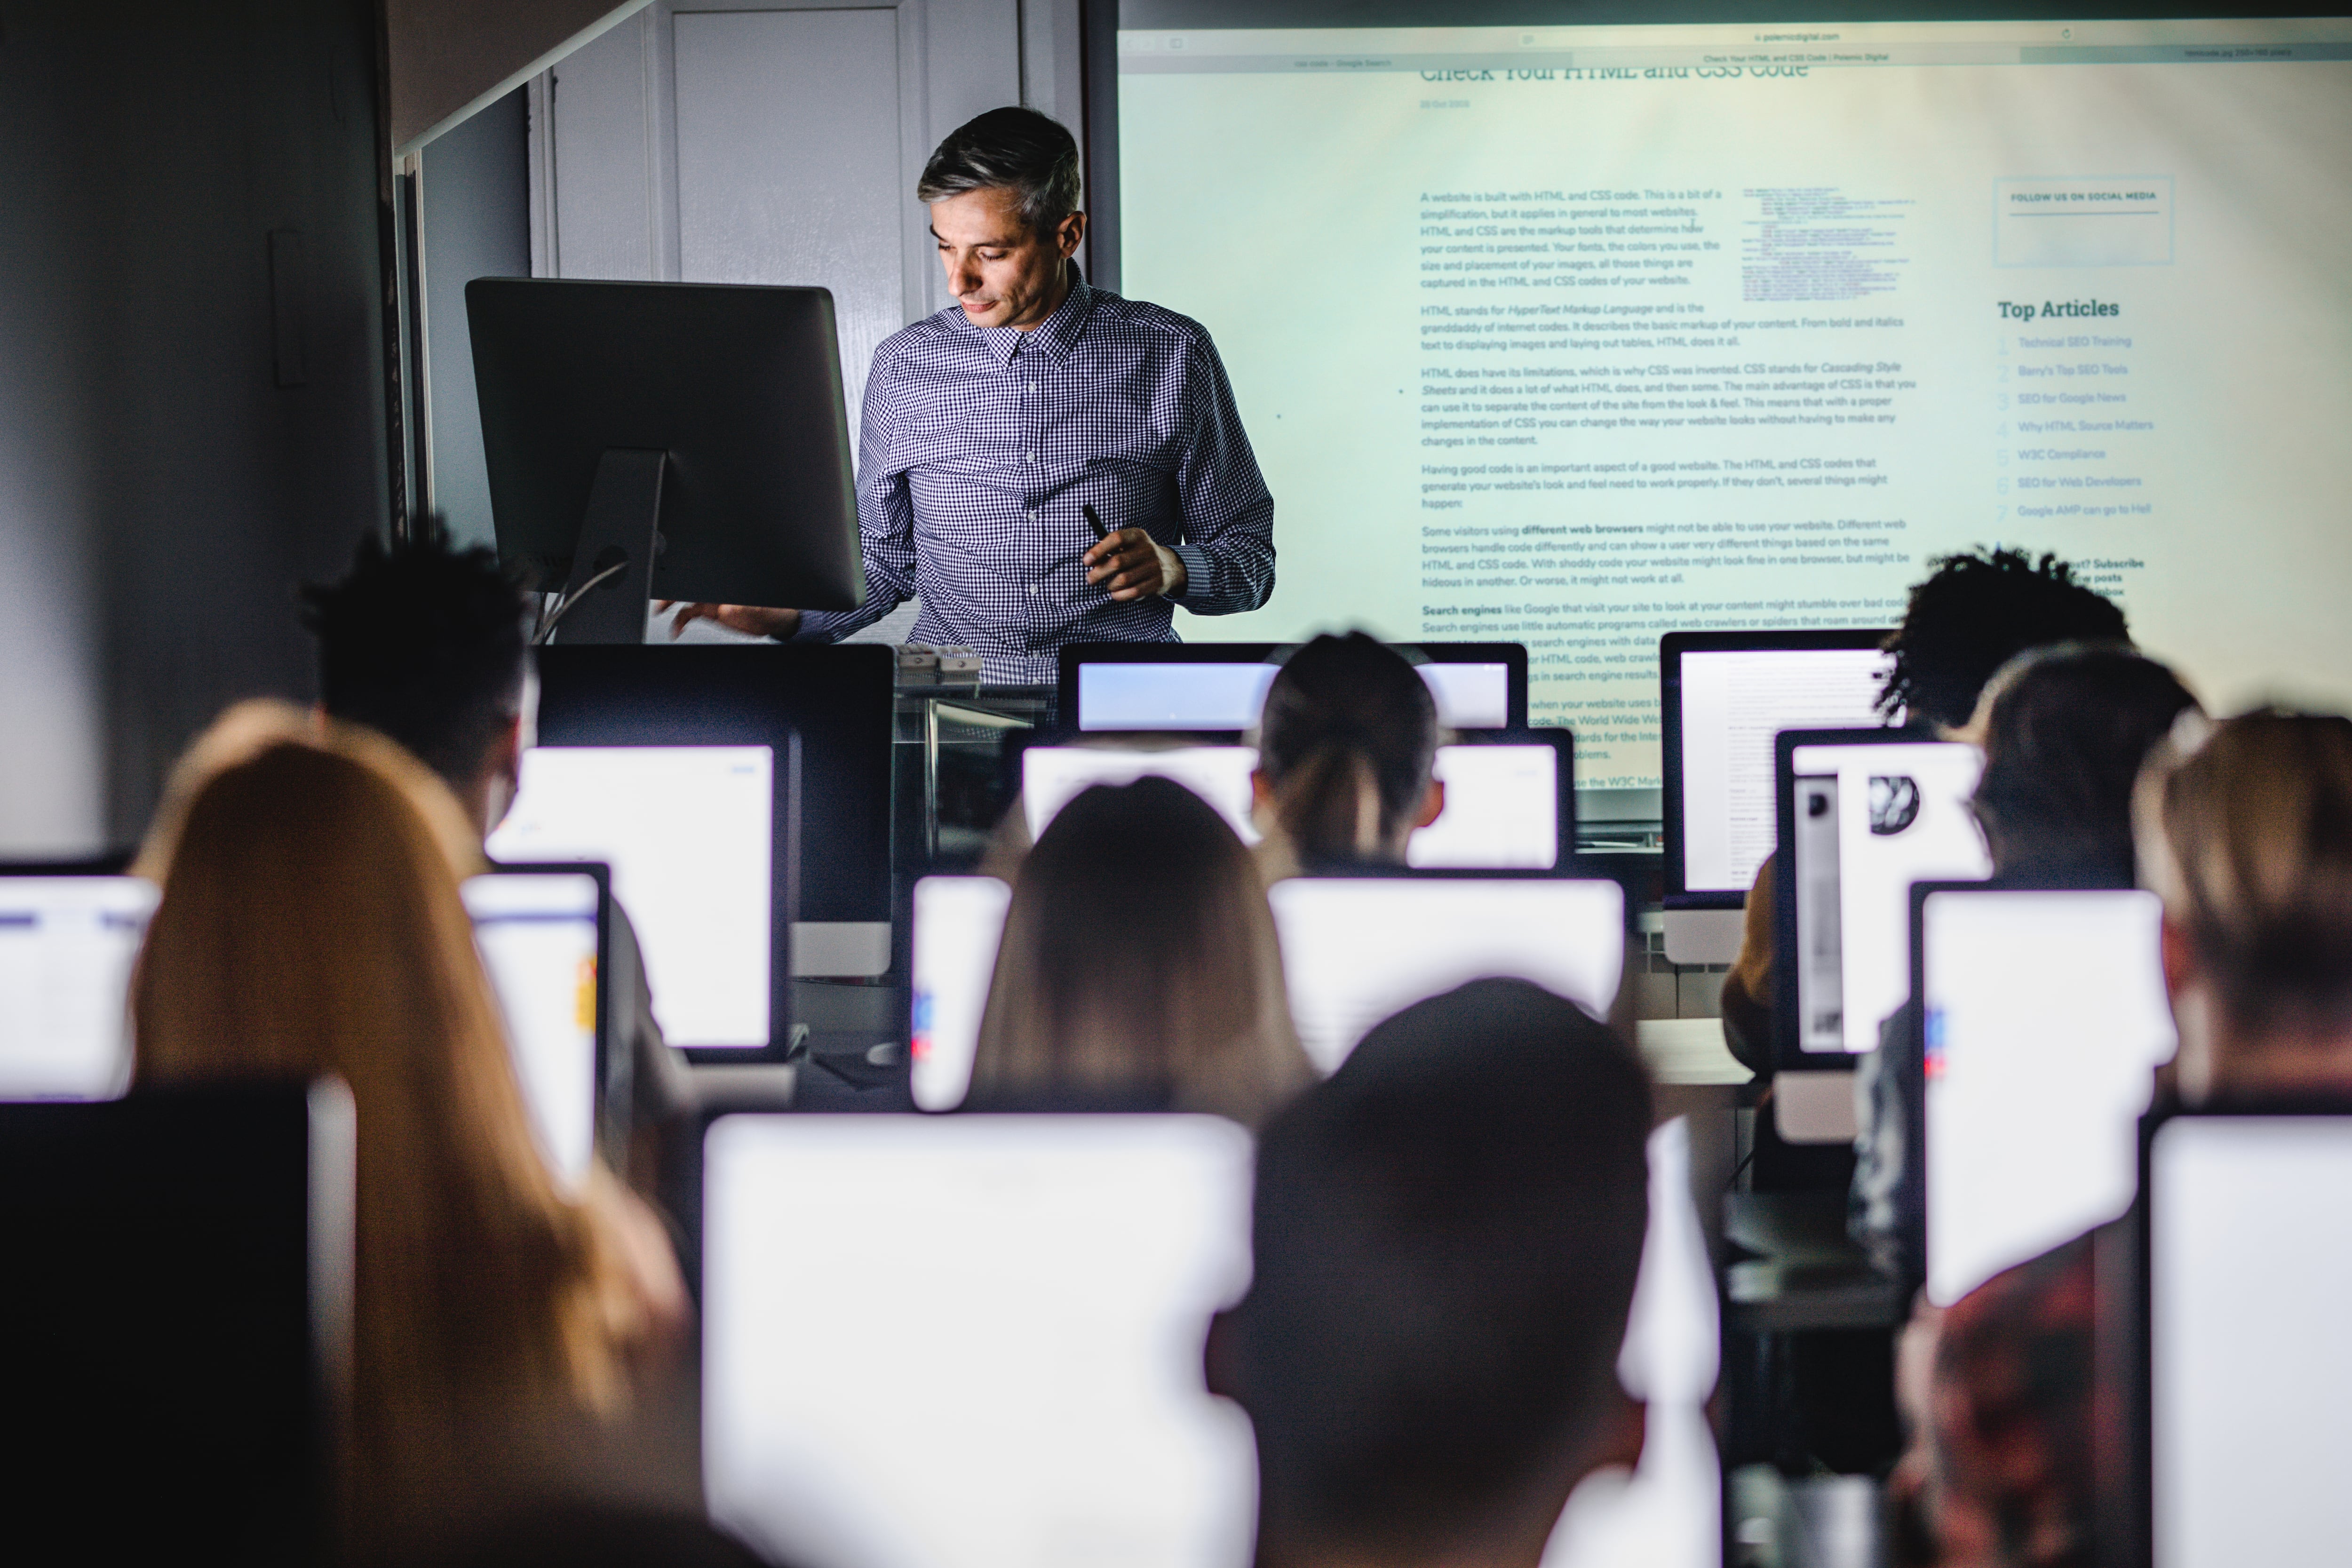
pixel 1196 573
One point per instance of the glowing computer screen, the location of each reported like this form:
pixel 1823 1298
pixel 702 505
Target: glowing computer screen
pixel 67 946
pixel 959 920
pixel 2046 1017
pixel 1207 695
pixel 537 936
pixel 688 832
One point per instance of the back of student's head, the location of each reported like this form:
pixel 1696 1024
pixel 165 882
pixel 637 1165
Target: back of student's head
pixel 1139 965
pixel 425 644
pixel 1973 613
pixel 1446 1235
pixel 310 925
pixel 1346 743
pixel 2248 838
pixel 2066 731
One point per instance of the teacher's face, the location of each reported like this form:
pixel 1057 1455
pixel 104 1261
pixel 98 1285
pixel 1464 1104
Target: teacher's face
pixel 1000 271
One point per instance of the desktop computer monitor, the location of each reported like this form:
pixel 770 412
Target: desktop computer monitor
pixel 740 387
pixel 690 834
pixel 1509 795
pixel 1862 813
pixel 1220 687
pixel 69 936
pixel 541 932
pixel 179 1310
pixel 1036 1289
pixel 837 700
pixel 2045 1018
pixel 1722 698
pixel 2249 1264
pixel 1356 950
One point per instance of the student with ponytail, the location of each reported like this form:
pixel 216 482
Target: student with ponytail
pixel 1346 745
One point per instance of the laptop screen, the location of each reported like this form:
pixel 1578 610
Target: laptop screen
pixel 67 947
pixel 688 832
pixel 2046 1017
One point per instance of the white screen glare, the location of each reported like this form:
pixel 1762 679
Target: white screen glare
pixel 1502 803
pixel 537 932
pixel 2250 1371
pixel 1902 817
pixel 1214 696
pixel 688 833
pixel 67 947
pixel 2046 1018
pixel 1036 1290
pixel 1357 950
pixel 1735 703
pixel 959 922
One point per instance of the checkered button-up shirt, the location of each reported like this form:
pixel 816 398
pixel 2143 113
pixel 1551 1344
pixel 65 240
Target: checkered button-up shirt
pixel 980 444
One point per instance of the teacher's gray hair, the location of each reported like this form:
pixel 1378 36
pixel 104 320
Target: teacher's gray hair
pixel 1016 150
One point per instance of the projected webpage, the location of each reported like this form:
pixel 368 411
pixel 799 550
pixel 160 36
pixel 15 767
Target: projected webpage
pixel 67 946
pixel 537 934
pixel 1735 705
pixel 1502 803
pixel 1202 695
pixel 1900 813
pixel 1037 1288
pixel 2251 1370
pixel 686 831
pixel 2046 1019
pixel 1575 336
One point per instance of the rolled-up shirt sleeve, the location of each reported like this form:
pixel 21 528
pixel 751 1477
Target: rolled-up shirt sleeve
pixel 886 520
pixel 1228 512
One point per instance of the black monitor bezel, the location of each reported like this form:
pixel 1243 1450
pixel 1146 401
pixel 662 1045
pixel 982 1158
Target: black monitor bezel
pixel 1786 1056
pixel 1677 894
pixel 610 1141
pixel 1072 655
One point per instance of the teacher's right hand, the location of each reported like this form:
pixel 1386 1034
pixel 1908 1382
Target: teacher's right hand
pixel 751 620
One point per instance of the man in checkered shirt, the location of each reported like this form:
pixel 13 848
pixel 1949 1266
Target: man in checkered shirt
pixel 991 426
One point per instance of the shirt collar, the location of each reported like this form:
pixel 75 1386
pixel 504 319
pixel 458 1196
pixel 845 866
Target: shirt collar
pixel 1054 337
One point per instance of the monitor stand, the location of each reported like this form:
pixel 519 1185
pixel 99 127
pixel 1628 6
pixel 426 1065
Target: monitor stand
pixel 1704 936
pixel 613 565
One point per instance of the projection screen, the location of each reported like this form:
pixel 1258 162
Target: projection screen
pixel 1579 334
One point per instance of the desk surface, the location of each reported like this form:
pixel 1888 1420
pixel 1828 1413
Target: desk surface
pixel 1688 1051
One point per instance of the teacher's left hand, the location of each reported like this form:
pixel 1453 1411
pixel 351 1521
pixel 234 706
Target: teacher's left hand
pixel 1131 566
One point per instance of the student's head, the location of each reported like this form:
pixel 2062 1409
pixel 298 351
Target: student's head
pixel 1139 965
pixel 427 644
pixel 1975 612
pixel 1004 192
pixel 1346 744
pixel 1446 1235
pixel 2248 838
pixel 2065 732
pixel 310 925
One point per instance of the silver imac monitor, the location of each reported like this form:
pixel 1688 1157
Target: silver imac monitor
pixel 1509 805
pixel 2249 1369
pixel 1357 949
pixel 67 941
pixel 2045 1018
pixel 688 832
pixel 1035 1291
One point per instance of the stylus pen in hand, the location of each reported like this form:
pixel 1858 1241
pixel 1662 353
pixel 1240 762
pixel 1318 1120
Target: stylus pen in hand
pixel 1095 521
